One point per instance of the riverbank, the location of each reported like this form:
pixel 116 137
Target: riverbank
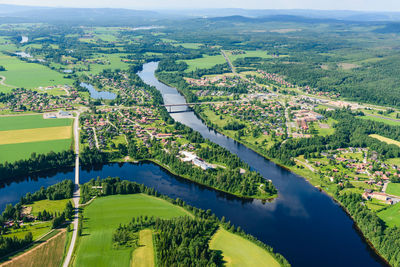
pixel 306 174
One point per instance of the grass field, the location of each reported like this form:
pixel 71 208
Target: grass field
pixel 13 149
pixel 385 139
pixel 390 122
pixel 391 215
pixel 256 53
pixel 49 205
pixel 393 189
pixel 238 251
pixel 13 152
pixel 104 215
pixel 35 135
pixel 395 161
pixel 37 230
pixel 47 255
pixel 189 45
pixel 144 255
pixel 30 121
pixel 204 62
pixel 28 75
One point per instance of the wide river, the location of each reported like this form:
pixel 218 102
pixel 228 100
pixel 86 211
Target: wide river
pixel 303 224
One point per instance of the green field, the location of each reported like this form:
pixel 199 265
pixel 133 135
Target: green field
pixel 387 121
pixel 256 53
pixel 48 205
pixel 30 122
pixel 189 45
pixel 395 161
pixel 144 255
pixel 37 230
pixel 393 189
pixel 391 215
pixel 204 62
pixel 238 251
pixel 385 139
pixel 13 152
pixel 104 215
pixel 28 75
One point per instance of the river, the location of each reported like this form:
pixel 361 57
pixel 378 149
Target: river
pixel 303 224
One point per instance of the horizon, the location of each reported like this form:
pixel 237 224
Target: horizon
pixel 179 5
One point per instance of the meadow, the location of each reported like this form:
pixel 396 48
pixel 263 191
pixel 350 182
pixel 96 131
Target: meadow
pixel 385 139
pixel 14 152
pixel 104 215
pixel 28 75
pixel 204 62
pixel 391 215
pixel 30 122
pixel 393 189
pixel 238 251
pixel 387 121
pixel 256 53
pixel 48 205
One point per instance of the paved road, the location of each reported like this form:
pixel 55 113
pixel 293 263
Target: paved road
pixel 385 118
pixel 76 196
pixel 228 61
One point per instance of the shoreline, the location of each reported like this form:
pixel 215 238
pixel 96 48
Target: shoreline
pixel 358 229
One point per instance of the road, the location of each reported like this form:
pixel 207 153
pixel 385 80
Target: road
pixel 228 61
pixel 76 196
pixel 95 138
pixel 2 82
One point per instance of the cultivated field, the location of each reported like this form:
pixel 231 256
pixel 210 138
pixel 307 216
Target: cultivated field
pixel 386 140
pixel 238 251
pixel 257 53
pixel 28 75
pixel 104 215
pixel 49 205
pixel 35 135
pixel 144 255
pixel 20 136
pixel 204 62
pixel 48 254
pixel 30 122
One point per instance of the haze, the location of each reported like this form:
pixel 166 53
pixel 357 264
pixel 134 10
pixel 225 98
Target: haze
pixel 362 5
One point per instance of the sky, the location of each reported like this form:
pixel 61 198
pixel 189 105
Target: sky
pixel 363 5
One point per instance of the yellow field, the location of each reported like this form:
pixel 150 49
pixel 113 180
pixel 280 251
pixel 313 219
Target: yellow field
pixel 238 251
pixel 35 135
pixel 144 255
pixel 385 139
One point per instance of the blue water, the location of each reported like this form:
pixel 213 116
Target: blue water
pixel 98 94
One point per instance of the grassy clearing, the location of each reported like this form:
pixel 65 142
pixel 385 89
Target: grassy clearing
pixel 204 62
pixel 391 215
pixel 37 230
pixel 28 75
pixel 325 128
pixel 189 45
pixel 256 53
pixel 30 121
pixel 35 135
pixel 49 205
pixel 238 251
pixel 393 189
pixel 144 255
pixel 14 152
pixel 48 254
pixel 395 161
pixel 104 215
pixel 385 139
pixel 387 121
